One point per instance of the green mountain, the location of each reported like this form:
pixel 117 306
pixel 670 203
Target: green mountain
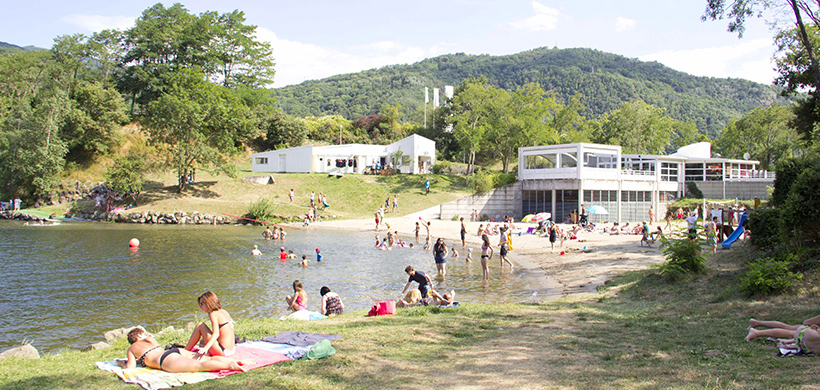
pixel 8 47
pixel 603 80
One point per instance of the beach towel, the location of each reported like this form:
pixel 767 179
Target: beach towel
pixel 150 378
pixel 304 315
pixel 292 351
pixel 300 339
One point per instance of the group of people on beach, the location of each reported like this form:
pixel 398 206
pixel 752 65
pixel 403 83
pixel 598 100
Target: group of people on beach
pixel 215 344
pixel 331 304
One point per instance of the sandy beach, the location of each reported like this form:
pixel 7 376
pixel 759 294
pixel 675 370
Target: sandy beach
pixel 578 272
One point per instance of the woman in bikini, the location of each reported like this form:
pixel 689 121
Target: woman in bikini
pixel 296 301
pixel 173 359
pixel 806 336
pixel 220 341
pixel 486 255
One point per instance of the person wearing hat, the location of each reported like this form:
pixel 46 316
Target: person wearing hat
pixel 256 251
pixel 318 255
pixel 282 254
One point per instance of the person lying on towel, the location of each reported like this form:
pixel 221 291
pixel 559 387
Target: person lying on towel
pixel 173 359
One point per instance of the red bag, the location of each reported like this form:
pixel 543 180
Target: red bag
pixel 387 307
pixel 383 308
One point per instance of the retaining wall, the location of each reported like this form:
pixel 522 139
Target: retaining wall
pixel 495 203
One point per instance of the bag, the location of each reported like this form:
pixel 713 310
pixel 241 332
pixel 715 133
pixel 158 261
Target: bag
pixel 383 308
pixel 320 350
pixel 387 307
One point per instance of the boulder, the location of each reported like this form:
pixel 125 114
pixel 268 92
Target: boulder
pixel 25 351
pixel 116 334
pixel 100 345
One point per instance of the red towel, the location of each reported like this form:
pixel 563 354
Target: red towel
pixel 262 357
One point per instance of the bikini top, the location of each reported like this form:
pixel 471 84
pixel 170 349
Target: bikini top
pixel 141 360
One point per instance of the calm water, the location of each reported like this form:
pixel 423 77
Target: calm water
pixel 64 286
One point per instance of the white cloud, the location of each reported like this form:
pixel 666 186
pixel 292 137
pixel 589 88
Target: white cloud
pixel 742 60
pixel 96 23
pixel 624 24
pixel 299 61
pixel 545 19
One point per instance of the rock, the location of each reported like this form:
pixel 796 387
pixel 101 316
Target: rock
pixel 100 345
pixel 190 326
pixel 116 334
pixel 25 351
pixel 169 329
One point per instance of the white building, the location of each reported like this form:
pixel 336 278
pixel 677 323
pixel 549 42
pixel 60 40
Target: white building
pixel 560 178
pixel 418 155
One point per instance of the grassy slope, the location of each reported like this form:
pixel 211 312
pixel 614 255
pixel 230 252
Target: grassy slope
pixel 640 333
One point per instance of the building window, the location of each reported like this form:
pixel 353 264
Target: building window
pixel 569 160
pixel 669 171
pixel 694 172
pixel 541 161
pixel 599 160
pixel 262 160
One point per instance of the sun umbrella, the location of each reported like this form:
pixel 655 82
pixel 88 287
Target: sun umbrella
pixel 527 218
pixel 540 217
pixel 597 210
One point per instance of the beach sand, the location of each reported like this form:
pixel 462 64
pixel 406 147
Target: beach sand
pixel 577 272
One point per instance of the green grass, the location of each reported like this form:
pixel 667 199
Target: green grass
pixel 640 332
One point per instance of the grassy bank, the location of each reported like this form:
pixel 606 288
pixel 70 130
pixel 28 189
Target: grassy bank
pixel 352 196
pixel 639 332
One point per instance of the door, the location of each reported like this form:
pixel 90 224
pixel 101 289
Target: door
pixel 282 160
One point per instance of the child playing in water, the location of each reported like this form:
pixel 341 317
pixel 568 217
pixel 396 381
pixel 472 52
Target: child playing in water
pixel 318 255
pixel 455 253
pixel 418 227
pixel 304 262
pixel 469 255
pixel 427 244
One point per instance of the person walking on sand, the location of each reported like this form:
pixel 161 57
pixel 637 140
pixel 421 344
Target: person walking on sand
pixel 651 214
pixel 395 203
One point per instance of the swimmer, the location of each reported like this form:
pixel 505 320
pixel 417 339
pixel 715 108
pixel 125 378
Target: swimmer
pixel 455 253
pixel 318 255
pixel 256 251
pixel 427 244
pixel 469 255
pixel 378 241
pixel 291 255
pixel 282 254
pixel 304 262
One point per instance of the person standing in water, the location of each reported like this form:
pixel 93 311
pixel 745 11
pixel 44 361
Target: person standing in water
pixel 463 233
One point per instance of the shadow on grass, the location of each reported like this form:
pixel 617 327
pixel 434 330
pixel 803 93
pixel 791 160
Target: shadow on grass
pixel 64 381
pixel 156 191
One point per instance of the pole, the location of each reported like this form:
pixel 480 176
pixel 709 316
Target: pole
pixel 340 134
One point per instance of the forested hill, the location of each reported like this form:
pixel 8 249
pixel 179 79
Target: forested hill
pixel 603 80
pixel 8 47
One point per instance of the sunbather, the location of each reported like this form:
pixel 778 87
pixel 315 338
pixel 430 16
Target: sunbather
pixel 806 336
pixel 173 359
pixel 220 340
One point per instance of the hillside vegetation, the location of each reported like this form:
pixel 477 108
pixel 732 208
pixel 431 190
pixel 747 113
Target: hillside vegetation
pixel 602 80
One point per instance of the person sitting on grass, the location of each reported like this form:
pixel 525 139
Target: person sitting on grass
pixel 296 301
pixel 174 359
pixel 413 298
pixel 331 302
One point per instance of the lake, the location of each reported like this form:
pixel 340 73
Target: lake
pixel 65 285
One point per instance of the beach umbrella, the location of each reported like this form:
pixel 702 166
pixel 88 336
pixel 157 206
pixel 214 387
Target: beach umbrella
pixel 527 218
pixel 540 217
pixel 597 210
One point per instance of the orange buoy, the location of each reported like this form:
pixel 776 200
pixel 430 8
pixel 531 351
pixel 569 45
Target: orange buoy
pixel 134 243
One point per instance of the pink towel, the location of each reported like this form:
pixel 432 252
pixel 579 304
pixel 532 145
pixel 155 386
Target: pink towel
pixel 262 357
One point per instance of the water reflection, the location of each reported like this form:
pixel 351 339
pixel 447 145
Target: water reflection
pixel 66 285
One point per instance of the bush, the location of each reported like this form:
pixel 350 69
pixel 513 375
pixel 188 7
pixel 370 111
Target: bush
pixel 800 214
pixel 502 179
pixel 683 257
pixel 479 182
pixel 441 167
pixel 769 275
pixel 261 210
pixel 765 225
pixel 692 190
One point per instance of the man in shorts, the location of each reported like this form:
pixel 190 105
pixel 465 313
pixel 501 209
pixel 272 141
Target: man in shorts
pixel 418 277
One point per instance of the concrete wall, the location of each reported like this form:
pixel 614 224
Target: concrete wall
pixel 496 203
pixel 745 190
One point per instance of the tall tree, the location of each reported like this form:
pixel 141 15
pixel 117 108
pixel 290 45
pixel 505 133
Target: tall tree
pixel 470 111
pixel 640 128
pixel 196 122
pixel 765 133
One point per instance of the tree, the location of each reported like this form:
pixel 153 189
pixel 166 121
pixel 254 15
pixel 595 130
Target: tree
pixel 470 114
pixel 518 119
pixel 235 57
pixel 196 122
pixel 282 130
pixel 765 133
pixel 127 174
pixel 639 128
pixel 95 113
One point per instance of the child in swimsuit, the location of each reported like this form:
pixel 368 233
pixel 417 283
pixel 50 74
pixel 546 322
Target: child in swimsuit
pixel 296 302
pixel 220 340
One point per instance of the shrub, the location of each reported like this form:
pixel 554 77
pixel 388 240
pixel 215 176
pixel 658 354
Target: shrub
pixel 261 210
pixel 683 257
pixel 480 182
pixel 502 179
pixel 800 214
pixel 765 225
pixel 692 190
pixel 769 275
pixel 441 167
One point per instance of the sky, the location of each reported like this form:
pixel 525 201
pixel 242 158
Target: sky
pixel 313 39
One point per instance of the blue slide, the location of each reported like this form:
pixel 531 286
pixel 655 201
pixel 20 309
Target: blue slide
pixel 727 243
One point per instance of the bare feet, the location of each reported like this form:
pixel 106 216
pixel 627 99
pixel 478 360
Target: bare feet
pixel 753 323
pixel 752 334
pixel 237 367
